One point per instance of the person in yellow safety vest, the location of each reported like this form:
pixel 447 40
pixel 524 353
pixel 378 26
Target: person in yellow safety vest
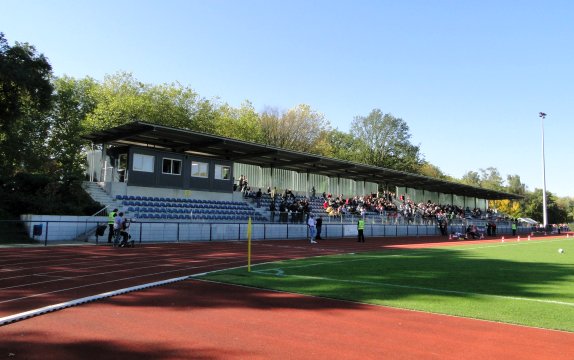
pixel 514 228
pixel 360 228
pixel 111 219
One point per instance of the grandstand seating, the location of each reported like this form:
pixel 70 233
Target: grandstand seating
pixel 315 207
pixel 162 208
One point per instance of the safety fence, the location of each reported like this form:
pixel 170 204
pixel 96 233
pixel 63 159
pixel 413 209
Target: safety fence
pixel 86 231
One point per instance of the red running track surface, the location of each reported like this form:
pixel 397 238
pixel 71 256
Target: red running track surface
pixel 196 319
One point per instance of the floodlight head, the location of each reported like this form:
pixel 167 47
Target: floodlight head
pixel 542 115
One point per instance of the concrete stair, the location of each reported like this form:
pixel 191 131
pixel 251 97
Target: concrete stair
pixel 97 193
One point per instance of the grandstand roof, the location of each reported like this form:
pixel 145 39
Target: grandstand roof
pixel 207 145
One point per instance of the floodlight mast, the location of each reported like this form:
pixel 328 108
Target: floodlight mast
pixel 544 209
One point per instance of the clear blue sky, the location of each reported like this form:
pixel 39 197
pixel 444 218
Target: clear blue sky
pixel 468 77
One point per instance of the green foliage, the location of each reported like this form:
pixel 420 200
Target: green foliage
pixel 25 97
pixel 27 193
pixel 430 170
pixel 567 204
pixel 344 146
pixel 73 101
pixel 533 207
pixel 491 179
pixel 387 142
pixel 300 128
pixel 243 123
pixel 121 99
pixel 471 178
pixel 515 186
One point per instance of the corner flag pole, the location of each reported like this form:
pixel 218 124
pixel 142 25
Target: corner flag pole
pixel 249 245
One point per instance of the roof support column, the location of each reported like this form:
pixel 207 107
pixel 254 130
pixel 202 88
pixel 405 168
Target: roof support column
pixel 104 163
pixel 307 184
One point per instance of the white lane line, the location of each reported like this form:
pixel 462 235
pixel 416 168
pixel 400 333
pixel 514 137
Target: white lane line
pixel 46 309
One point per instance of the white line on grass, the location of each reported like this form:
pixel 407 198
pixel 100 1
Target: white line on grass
pixel 422 288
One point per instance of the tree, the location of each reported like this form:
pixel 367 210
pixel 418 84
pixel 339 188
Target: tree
pixel 567 204
pixel 387 141
pixel 471 178
pixel 343 146
pixel 515 186
pixel 509 207
pixel 25 97
pixel 121 99
pixel 491 179
pixel 73 101
pixel 430 170
pixel 534 208
pixel 242 123
pixel 300 128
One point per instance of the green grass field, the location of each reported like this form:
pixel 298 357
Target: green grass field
pixel 527 282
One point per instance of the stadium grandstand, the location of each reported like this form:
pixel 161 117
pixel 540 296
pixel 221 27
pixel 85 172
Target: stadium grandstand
pixel 155 172
pixel 182 185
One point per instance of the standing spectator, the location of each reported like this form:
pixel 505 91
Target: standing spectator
pixel 111 219
pixel 118 225
pixel 319 224
pixel 312 228
pixel 313 192
pixel 272 209
pixel 442 226
pixel 245 187
pixel 514 228
pixel 241 181
pixel 360 229
pixel 258 197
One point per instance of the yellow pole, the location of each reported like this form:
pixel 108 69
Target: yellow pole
pixel 249 245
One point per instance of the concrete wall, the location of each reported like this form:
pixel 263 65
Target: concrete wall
pixel 73 228
pixel 61 228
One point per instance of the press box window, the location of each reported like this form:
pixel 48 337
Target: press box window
pixel 199 169
pixel 222 172
pixel 171 166
pixel 143 163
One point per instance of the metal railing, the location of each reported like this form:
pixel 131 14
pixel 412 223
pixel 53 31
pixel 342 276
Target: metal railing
pixel 52 231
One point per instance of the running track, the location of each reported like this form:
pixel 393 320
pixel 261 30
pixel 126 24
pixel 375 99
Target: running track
pixel 194 319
